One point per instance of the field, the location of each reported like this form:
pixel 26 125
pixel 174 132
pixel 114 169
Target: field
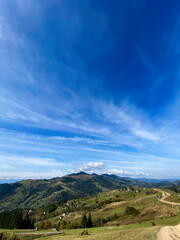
pixel 107 234
pixel 143 231
pixel 152 214
pixel 127 232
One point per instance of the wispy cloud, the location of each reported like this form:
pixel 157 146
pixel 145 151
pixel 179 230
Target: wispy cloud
pixel 16 161
pixel 128 118
pixel 71 98
pixel 147 63
pixel 20 150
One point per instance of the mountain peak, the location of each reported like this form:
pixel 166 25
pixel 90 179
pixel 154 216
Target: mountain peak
pixel 79 174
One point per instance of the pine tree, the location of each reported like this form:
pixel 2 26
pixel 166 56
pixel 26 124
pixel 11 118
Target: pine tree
pixel 84 221
pixel 89 221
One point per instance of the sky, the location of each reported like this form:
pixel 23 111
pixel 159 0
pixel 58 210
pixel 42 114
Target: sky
pixel 89 86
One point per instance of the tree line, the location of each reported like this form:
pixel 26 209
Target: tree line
pixel 15 219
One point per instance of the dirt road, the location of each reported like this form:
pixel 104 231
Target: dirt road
pixel 169 233
pixel 164 196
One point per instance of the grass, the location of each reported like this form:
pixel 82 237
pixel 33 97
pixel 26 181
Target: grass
pixel 103 234
pixel 143 231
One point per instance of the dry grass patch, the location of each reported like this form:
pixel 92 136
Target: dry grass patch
pixel 114 205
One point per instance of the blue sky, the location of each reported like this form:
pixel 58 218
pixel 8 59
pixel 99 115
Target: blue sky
pixel 89 86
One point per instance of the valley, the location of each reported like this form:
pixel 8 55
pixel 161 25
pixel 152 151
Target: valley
pixel 133 211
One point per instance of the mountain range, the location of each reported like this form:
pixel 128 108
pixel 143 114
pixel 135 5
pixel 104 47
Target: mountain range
pixel 37 193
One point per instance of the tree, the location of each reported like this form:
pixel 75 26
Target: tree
pixel 47 225
pixel 15 219
pixel 62 225
pixel 41 226
pixel 84 221
pixel 89 221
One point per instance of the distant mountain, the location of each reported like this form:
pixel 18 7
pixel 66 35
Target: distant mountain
pixel 9 180
pixel 37 193
pixel 151 180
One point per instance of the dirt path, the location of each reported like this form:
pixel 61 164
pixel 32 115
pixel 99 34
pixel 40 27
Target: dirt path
pixel 164 196
pixel 169 233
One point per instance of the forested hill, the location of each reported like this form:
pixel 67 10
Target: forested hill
pixel 37 193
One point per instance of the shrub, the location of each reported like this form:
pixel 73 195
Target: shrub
pixel 98 222
pixel 47 224
pixel 132 211
pixel 62 225
pixel 41 226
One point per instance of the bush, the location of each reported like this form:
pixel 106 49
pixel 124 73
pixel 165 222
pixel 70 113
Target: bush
pixel 115 216
pixel 9 236
pixel 41 226
pixel 85 232
pixel 98 222
pixel 47 225
pixel 132 211
pixel 74 225
pixel 62 225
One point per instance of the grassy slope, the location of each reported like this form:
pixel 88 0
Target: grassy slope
pixel 133 231
pixel 150 207
pixel 143 231
pixel 120 200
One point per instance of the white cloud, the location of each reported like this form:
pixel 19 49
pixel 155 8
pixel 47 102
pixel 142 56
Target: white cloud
pixel 91 166
pixel 126 173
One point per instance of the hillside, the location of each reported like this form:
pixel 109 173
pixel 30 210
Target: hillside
pixel 37 193
pixel 126 213
pixel 117 207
